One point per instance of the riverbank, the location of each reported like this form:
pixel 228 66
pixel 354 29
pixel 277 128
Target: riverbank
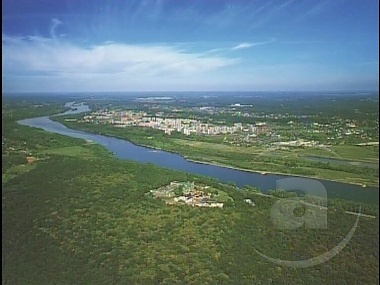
pixel 188 158
pixel 213 163
pixel 363 185
pixel 277 173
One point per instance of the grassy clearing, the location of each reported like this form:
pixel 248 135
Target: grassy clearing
pixel 359 153
pixel 222 196
pixel 16 170
pixel 70 151
pixel 315 152
pixel 345 177
pixel 217 146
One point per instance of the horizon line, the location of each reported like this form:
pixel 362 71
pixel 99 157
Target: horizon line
pixel 192 91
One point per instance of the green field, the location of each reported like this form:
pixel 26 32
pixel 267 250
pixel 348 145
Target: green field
pixel 16 170
pixel 70 151
pixel 221 197
pixel 358 153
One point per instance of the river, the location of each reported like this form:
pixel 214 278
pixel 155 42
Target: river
pixel 126 150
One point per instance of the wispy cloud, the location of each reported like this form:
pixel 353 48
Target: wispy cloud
pixel 315 9
pixel 38 54
pixel 249 45
pixel 55 23
pixel 299 42
pixel 285 4
pixel 243 45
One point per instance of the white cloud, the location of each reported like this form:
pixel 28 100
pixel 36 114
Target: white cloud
pixel 243 45
pixel 38 63
pixel 55 23
pixel 36 54
pixel 248 45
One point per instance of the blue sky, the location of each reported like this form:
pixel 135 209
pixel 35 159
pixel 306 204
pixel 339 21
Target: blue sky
pixel 162 45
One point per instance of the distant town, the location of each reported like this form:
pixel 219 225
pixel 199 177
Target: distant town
pixel 278 129
pixel 168 125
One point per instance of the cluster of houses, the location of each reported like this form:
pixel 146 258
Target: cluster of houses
pixel 186 193
pixel 296 143
pixel 168 125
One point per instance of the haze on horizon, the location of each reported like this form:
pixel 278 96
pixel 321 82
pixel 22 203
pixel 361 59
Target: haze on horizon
pixel 167 45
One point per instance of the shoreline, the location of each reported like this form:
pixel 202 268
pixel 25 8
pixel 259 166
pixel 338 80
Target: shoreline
pixel 363 185
pixel 246 170
pixel 278 173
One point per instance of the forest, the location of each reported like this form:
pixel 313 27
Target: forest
pixel 78 215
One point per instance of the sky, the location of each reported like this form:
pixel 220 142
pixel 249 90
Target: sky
pixel 199 45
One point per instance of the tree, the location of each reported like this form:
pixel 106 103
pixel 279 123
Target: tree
pixel 179 190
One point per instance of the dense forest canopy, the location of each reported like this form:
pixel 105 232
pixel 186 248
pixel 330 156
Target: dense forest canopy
pixel 77 215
